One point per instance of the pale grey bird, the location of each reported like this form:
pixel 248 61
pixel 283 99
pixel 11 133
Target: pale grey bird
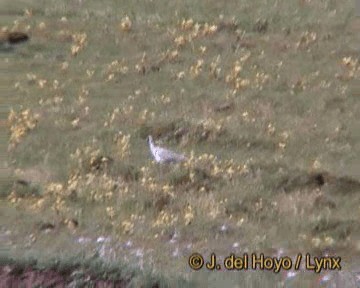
pixel 162 155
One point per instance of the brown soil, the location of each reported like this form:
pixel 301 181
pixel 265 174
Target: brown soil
pixel 10 277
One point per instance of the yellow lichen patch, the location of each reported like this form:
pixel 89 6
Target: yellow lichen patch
pixel 90 73
pixel 55 85
pixel 202 49
pixel 212 167
pixel 329 241
pixel 316 164
pixel 260 79
pixel 83 94
pixel 352 67
pixel 42 26
pixel 64 66
pixel 59 206
pixel 125 24
pixel 209 29
pixel 127 227
pixel 42 83
pixel 88 159
pixel 187 24
pixel 54 188
pixel 165 99
pixel 20 124
pixel 110 211
pixel 94 187
pixel 350 62
pixel 75 122
pixel 165 219
pixel 180 41
pixel 316 242
pixel 79 43
pixel 39 204
pixel 144 116
pixel 180 75
pixel 189 215
pixel 122 145
pixel 307 38
pixel 234 78
pixel 161 99
pixel 171 56
pixel 196 69
pixel 148 181
pixel 214 67
pixel 195 32
pixel 31 77
pixel 234 72
pixel 141 66
pixel 63 19
pixel 28 13
pixel 195 29
pixel 271 129
pixel 13 198
pixel 111 117
pixel 115 68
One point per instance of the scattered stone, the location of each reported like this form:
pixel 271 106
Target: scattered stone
pixel 12 38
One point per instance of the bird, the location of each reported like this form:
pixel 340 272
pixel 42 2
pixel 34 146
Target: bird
pixel 162 155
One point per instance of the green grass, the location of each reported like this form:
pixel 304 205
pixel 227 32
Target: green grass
pixel 272 94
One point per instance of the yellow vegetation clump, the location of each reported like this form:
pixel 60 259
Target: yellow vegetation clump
pixel 127 227
pixel 125 24
pixel 20 124
pixel 165 219
pixel 189 215
pixel 196 69
pixel 123 145
pixel 79 42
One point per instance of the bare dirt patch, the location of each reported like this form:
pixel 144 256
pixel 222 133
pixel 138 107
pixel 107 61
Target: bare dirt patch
pixel 12 276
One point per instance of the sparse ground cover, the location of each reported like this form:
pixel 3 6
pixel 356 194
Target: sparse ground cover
pixel 261 96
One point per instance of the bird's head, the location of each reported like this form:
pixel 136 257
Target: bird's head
pixel 149 139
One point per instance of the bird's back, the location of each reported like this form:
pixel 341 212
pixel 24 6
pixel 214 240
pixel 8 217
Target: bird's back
pixel 168 156
pixel 163 155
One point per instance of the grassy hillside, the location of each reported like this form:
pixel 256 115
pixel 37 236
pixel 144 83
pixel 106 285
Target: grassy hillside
pixel 263 98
